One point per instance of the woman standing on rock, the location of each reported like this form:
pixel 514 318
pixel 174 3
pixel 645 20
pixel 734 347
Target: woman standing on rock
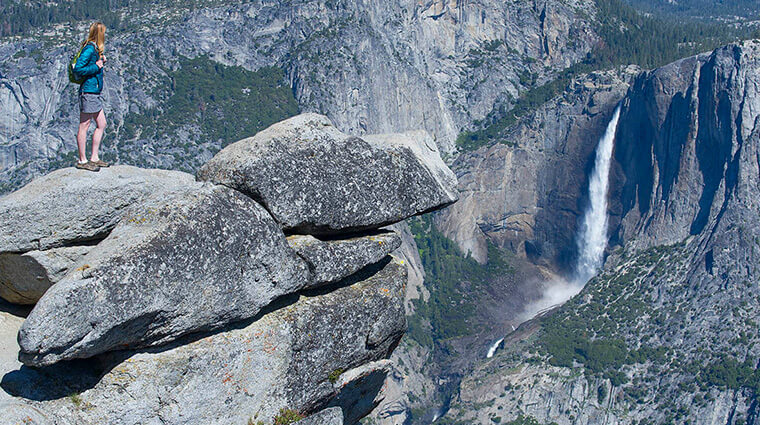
pixel 89 66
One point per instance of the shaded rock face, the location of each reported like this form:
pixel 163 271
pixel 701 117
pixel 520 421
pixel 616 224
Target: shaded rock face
pixel 72 206
pixel 316 180
pixel 283 358
pixel 184 262
pixel 523 194
pixel 686 146
pixel 333 259
pixel 361 389
pixel 341 349
pixel 24 278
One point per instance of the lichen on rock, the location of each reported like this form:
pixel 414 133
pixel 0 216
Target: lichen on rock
pixel 316 180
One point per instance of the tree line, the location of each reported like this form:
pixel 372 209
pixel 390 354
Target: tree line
pixel 20 18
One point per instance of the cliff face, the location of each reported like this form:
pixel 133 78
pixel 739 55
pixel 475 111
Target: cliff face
pixel 526 194
pixel 686 151
pixel 454 60
pixel 186 303
pixel 667 332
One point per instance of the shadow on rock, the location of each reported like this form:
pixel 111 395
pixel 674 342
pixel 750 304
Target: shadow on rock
pixel 15 309
pixel 56 381
pixel 363 274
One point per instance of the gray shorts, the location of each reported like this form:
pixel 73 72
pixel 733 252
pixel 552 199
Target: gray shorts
pixel 90 103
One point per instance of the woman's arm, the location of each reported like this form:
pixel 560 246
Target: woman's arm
pixel 85 66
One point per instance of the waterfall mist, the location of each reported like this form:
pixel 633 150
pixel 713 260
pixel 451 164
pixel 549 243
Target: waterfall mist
pixel 592 234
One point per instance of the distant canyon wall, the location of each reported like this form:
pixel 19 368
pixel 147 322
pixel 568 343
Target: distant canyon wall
pixel 372 67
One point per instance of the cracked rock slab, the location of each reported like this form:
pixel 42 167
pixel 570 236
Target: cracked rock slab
pixel 193 260
pixel 329 416
pixel 333 259
pixel 316 180
pixel 283 359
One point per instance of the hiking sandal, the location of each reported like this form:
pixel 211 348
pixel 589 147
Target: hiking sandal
pixel 89 166
pixel 100 163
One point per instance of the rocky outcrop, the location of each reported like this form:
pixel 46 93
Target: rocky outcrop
pixel 202 256
pixel 333 259
pixel 74 207
pixel 193 260
pixel 286 358
pixel 316 180
pixel 195 300
pixel 25 277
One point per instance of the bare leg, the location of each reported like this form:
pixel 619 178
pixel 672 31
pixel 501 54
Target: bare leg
pixel 97 136
pixel 84 125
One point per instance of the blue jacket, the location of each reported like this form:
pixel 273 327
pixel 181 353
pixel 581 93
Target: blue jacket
pixel 86 67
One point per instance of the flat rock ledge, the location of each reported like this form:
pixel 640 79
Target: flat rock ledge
pixel 71 206
pixel 315 180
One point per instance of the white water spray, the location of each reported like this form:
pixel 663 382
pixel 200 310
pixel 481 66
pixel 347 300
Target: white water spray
pixel 493 348
pixel 592 238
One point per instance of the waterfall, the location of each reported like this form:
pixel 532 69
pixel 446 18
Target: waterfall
pixel 592 239
pixel 494 347
pixel 592 235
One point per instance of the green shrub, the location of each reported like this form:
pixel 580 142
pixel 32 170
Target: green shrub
pixel 334 375
pixel 76 399
pixel 287 416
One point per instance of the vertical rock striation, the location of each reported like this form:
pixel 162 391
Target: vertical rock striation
pixel 687 146
pixel 527 193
